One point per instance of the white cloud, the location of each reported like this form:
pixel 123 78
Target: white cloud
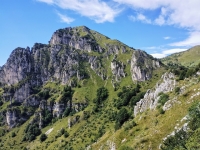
pixel 96 10
pixel 144 4
pixel 183 14
pixel 192 40
pixel 176 12
pixel 151 47
pixel 165 53
pixel 174 50
pixel 158 55
pixel 167 37
pixel 46 1
pixel 140 17
pixel 65 18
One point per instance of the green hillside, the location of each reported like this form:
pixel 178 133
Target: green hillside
pixel 187 58
pixel 86 91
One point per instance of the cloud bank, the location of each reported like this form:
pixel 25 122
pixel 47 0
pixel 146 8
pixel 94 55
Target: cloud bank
pixel 97 10
pixel 164 53
pixel 183 14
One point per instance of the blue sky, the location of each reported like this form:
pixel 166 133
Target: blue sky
pixel 160 27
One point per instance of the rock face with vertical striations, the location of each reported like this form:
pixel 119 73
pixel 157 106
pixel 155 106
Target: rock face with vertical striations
pixel 72 38
pixel 142 66
pixel 69 58
pixel 17 68
pixel 151 97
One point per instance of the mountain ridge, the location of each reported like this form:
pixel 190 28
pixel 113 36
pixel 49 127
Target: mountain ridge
pixel 86 91
pixel 186 58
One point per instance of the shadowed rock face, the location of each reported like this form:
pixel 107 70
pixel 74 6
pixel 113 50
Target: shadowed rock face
pixel 142 66
pixel 17 68
pixel 11 118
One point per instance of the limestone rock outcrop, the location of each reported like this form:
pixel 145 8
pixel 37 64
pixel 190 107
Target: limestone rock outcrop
pixel 150 100
pixel 68 59
pixel 71 37
pixel 142 66
pixel 13 117
pixel 117 69
pixel 17 68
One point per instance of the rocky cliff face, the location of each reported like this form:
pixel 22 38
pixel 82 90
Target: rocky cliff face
pixel 142 66
pixel 62 59
pixel 13 117
pixel 17 68
pixel 65 60
pixel 72 37
pixel 150 100
pixel 22 93
pixel 117 69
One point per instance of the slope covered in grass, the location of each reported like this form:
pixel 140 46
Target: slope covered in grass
pixel 187 58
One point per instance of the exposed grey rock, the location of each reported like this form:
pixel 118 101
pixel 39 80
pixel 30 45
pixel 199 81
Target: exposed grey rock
pixel 151 97
pixel 22 93
pixel 96 66
pixel 112 49
pixel 58 109
pixel 11 118
pixel 73 120
pixel 170 103
pixel 7 96
pixel 118 72
pixel 123 49
pixel 32 100
pixel 142 66
pixel 78 106
pixel 69 37
pixel 17 68
pixel 184 127
pixel 37 119
pixel 117 69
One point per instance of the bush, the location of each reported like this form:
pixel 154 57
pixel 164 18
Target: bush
pixel 177 141
pixel 183 139
pixel 43 137
pixel 62 131
pixel 13 134
pixel 129 125
pixel 102 95
pixel 66 112
pixel 47 117
pixel 25 148
pixel 66 134
pixel 121 117
pixel 177 90
pixel 1 103
pixel 194 115
pixel 161 111
pixel 128 96
pixel 31 131
pixel 163 98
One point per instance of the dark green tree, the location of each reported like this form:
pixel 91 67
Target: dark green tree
pixel 43 137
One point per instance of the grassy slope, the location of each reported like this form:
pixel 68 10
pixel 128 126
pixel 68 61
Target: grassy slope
pixel 151 126
pixel 186 58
